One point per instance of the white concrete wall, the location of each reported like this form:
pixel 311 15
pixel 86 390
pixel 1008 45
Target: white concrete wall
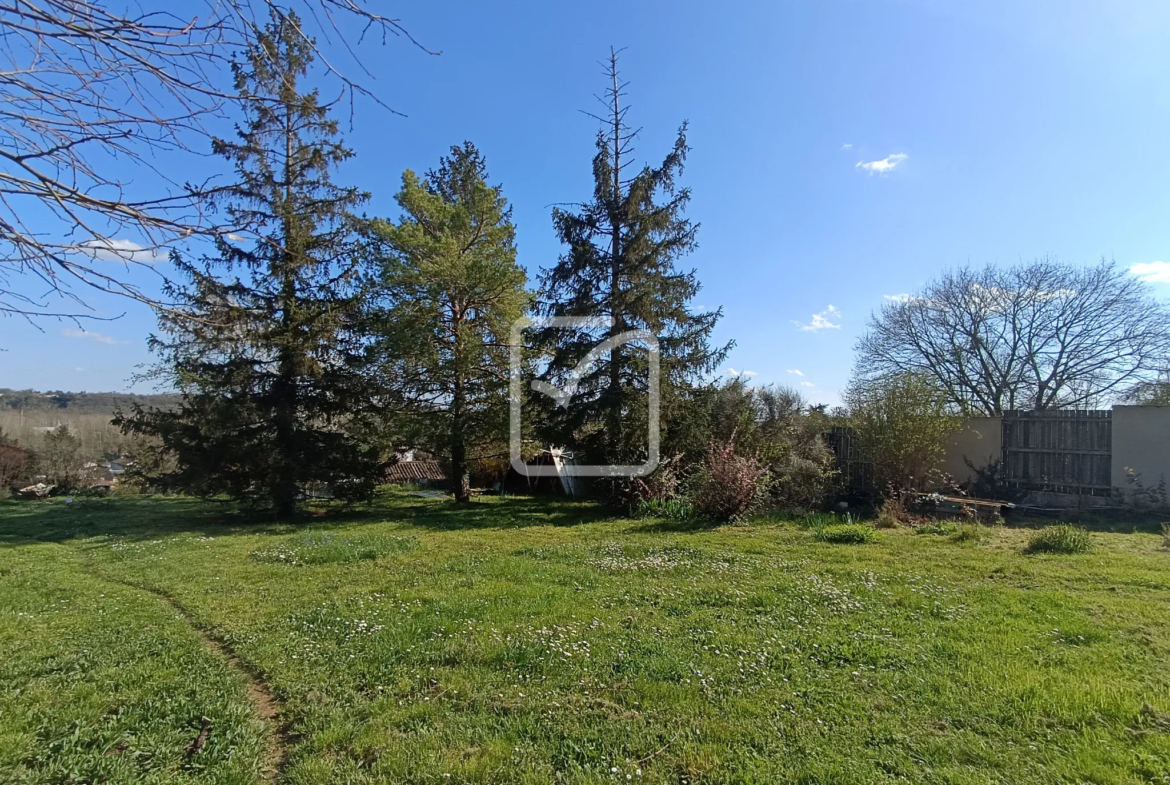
pixel 980 440
pixel 1141 441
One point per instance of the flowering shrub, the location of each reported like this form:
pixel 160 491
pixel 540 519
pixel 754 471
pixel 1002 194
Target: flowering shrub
pixel 729 486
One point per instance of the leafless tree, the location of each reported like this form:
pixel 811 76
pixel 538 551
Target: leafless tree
pixel 95 102
pixel 1043 335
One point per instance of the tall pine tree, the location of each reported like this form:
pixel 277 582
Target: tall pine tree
pixel 268 349
pixel 452 290
pixel 623 246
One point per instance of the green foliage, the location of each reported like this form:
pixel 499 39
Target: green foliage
pixel 59 403
pixel 778 425
pixel 902 424
pixel 333 548
pixel 265 345
pixel 448 293
pixel 846 533
pixel 671 509
pixel 620 267
pixel 819 520
pixel 60 459
pixel 1061 538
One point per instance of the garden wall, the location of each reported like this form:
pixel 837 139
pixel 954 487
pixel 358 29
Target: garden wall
pixel 1141 441
pixel 980 441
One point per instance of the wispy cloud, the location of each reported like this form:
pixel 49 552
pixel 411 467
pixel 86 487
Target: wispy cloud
pixel 847 146
pixel 111 250
pixel 1152 272
pixel 71 332
pixel 897 298
pixel 741 374
pixel 796 372
pixel 884 166
pixel 807 384
pixel 821 321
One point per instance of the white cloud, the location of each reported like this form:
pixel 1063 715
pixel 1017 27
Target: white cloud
pixel 807 384
pixel 97 337
pixel 847 146
pixel 821 321
pixel 795 372
pixel 884 166
pixel 1152 272
pixel 109 250
pixel 743 374
pixel 897 298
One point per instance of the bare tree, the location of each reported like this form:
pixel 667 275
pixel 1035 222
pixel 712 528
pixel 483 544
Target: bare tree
pixel 1043 335
pixel 94 101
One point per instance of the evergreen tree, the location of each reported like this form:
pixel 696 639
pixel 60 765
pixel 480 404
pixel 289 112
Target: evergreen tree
pixel 620 266
pixel 268 349
pixel 452 290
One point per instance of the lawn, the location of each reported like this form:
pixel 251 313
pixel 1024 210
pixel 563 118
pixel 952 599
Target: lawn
pixel 535 641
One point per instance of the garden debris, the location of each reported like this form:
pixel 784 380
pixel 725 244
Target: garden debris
pixel 38 491
pixel 201 740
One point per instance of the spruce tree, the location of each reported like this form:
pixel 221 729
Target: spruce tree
pixel 451 290
pixel 620 265
pixel 267 349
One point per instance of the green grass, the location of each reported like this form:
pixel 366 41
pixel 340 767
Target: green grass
pixel 1062 538
pixel 846 533
pixel 528 641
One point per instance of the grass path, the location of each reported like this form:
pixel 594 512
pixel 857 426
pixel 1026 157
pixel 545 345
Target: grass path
pixel 525 641
pixel 265 705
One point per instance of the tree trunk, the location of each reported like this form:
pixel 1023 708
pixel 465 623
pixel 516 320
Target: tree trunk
pixel 284 489
pixel 616 394
pixel 460 479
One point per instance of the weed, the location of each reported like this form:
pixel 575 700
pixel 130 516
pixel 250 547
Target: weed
pixel 846 533
pixel 1061 538
pixel 671 509
pixel 968 533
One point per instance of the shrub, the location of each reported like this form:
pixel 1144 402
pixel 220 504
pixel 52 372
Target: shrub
pixel 846 533
pixel 663 484
pixel 1166 535
pixel 729 486
pixel 902 425
pixel 1061 538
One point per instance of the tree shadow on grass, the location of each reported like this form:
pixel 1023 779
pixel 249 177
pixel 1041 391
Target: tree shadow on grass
pixel 155 517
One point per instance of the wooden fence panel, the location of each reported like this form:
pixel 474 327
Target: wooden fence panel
pixel 1058 451
pixel 855 472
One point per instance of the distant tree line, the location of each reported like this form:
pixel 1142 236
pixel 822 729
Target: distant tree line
pixel 79 402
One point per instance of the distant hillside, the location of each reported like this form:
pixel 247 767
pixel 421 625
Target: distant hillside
pixel 71 403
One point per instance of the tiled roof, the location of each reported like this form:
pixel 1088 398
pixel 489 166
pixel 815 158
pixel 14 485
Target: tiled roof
pixel 415 471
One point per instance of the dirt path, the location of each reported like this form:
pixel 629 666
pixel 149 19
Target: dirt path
pixel 266 705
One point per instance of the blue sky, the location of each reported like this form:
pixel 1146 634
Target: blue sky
pixel 998 132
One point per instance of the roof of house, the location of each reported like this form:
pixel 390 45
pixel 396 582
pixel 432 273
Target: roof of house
pixel 415 471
